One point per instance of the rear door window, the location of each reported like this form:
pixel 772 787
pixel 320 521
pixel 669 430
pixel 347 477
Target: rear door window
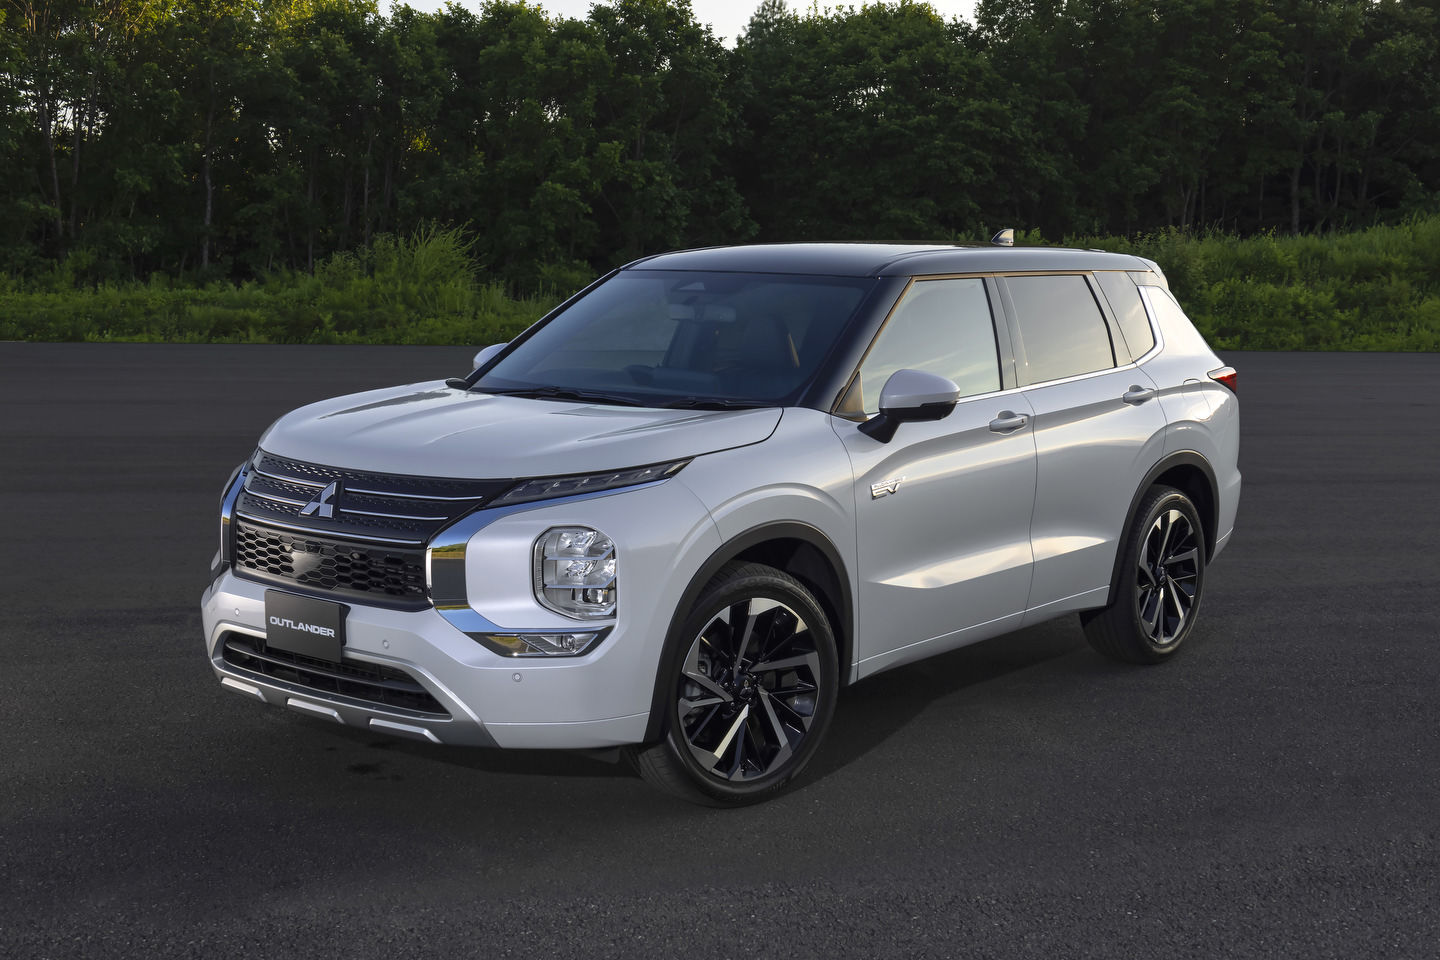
pixel 1060 328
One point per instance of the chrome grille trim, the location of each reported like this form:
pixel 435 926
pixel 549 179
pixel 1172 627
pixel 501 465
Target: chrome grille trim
pixel 318 485
pixel 391 516
pixel 275 497
pixel 349 536
pixel 406 496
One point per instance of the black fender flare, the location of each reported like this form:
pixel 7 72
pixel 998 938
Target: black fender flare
pixel 729 550
pixel 1170 461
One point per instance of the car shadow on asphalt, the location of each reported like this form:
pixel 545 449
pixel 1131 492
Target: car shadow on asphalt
pixel 874 710
pixel 866 716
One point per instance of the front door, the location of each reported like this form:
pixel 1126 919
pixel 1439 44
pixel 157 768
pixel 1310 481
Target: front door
pixel 943 509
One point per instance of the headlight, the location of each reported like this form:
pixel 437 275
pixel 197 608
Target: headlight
pixel 545 488
pixel 574 569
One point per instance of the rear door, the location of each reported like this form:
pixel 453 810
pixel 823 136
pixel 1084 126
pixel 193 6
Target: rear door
pixel 943 509
pixel 1098 429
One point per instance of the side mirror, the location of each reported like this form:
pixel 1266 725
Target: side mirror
pixel 487 354
pixel 910 396
pixel 481 358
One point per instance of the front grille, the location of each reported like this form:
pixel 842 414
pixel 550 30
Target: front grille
pixel 352 679
pixel 364 505
pixel 386 574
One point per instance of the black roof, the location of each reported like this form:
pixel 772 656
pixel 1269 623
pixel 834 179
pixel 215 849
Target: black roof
pixel 884 259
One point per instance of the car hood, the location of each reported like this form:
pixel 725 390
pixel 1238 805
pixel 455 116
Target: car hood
pixel 428 429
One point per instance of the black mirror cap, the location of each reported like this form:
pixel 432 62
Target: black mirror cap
pixel 882 427
pixel 938 410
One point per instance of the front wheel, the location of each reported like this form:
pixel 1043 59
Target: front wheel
pixel 750 687
pixel 1156 598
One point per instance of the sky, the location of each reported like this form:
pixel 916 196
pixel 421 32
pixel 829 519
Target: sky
pixel 726 17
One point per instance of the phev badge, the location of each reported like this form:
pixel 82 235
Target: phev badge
pixel 885 488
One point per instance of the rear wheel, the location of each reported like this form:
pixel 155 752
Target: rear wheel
pixel 1156 598
pixel 751 686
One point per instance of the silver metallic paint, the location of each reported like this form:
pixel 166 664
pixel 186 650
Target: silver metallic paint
pixel 989 529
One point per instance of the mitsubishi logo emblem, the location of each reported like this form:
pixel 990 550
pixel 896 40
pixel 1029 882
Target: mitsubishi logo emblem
pixel 323 506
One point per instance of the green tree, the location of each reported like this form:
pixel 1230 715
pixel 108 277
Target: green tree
pixel 880 123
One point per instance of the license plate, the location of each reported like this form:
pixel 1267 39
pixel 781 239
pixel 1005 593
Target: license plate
pixel 309 627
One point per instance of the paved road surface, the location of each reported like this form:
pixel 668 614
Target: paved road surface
pixel 1271 793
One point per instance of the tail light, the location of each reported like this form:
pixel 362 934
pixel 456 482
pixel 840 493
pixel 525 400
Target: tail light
pixel 1228 378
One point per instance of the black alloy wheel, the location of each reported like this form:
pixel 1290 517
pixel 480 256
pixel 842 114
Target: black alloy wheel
pixel 1156 599
pixel 752 690
pixel 748 689
pixel 1167 577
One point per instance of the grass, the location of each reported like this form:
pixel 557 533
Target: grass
pixel 417 290
pixel 1374 289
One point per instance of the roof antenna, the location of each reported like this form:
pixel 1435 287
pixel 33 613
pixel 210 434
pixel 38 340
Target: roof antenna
pixel 1005 238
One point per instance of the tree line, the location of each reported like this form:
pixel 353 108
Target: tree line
pixel 230 139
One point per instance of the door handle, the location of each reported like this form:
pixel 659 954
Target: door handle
pixel 1008 422
pixel 1137 394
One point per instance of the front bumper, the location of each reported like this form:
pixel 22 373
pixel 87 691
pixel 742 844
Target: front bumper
pixel 600 699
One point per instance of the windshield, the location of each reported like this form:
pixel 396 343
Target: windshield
pixel 662 338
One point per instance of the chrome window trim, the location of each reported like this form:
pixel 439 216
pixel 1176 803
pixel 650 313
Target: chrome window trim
pixel 1150 354
pixel 1048 383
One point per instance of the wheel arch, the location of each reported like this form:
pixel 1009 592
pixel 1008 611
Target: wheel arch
pixel 1191 474
pixel 799 549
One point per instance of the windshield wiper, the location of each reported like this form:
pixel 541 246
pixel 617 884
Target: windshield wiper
pixel 715 403
pixel 563 393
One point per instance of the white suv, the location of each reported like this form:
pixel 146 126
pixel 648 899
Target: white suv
pixel 683 509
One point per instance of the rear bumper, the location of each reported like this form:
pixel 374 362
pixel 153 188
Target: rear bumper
pixel 1228 508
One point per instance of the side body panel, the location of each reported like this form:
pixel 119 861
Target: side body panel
pixel 944 555
pixel 1203 415
pixel 1092 450
pixel 800 476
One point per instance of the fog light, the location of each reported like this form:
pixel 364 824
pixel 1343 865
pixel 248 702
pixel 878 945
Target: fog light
pixel 539 644
pixel 574 570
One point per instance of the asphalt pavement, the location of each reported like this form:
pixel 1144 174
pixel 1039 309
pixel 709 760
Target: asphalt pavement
pixel 1271 792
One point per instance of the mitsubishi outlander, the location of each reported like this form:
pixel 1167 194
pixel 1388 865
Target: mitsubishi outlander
pixel 681 511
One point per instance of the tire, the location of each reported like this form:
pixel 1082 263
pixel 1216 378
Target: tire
pixel 750 684
pixel 1155 599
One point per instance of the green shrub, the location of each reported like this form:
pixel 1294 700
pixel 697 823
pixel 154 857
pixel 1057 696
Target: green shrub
pixel 1375 289
pixel 420 289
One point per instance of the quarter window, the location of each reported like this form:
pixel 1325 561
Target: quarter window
pixel 1062 331
pixel 943 327
pixel 1124 299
